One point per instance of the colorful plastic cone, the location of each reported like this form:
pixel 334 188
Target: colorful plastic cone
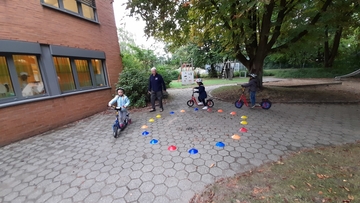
pixel 144 127
pixel 182 111
pixel 154 141
pixel 209 110
pixel 220 144
pixel 220 111
pixel 145 133
pixel 172 148
pixel 193 151
pixel 172 112
pixel 233 113
pixel 236 137
pixel 243 123
pixel 244 117
pixel 151 120
pixel 244 130
pixel 158 116
pixel 196 109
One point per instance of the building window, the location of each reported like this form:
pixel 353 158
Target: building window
pixel 6 87
pixel 64 74
pixel 83 8
pixel 28 71
pixel 83 72
pixel 98 72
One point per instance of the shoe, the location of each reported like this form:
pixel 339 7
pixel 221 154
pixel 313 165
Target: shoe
pixel 257 105
pixel 152 110
pixel 205 107
pixel 253 107
pixel 200 104
pixel 162 109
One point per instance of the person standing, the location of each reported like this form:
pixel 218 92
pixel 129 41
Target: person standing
pixel 156 86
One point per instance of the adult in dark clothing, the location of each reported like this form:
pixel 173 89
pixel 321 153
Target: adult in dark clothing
pixel 202 93
pixel 156 86
pixel 253 84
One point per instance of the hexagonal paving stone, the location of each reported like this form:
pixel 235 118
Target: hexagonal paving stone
pixel 120 192
pixel 171 182
pixel 159 179
pixel 159 190
pixel 147 187
pixel 133 184
pixel 173 193
pixel 147 197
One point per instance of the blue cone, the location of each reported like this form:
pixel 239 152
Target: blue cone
pixel 153 141
pixel 193 151
pixel 145 133
pixel 196 109
pixel 172 112
pixel 220 144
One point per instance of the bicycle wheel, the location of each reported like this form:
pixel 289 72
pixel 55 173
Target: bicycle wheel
pixel 239 104
pixel 265 104
pixel 190 103
pixel 117 130
pixel 210 103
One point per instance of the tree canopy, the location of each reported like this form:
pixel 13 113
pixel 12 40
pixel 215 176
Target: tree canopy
pixel 248 30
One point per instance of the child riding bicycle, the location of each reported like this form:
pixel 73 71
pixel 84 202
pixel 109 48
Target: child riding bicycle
pixel 122 101
pixel 253 85
pixel 202 93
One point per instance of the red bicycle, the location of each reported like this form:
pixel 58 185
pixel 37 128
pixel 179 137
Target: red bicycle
pixel 193 101
pixel 265 103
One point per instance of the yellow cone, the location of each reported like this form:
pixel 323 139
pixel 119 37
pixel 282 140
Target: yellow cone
pixel 235 137
pixel 144 126
pixel 244 117
pixel 151 120
pixel 243 122
pixel 158 116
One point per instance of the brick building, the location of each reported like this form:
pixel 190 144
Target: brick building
pixel 59 60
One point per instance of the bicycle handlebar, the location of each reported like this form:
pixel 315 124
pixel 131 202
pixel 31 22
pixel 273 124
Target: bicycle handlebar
pixel 118 108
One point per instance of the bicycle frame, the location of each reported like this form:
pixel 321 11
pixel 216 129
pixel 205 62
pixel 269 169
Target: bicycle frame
pixel 194 99
pixel 243 97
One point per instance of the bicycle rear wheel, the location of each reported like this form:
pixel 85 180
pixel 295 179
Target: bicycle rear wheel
pixel 210 103
pixel 266 104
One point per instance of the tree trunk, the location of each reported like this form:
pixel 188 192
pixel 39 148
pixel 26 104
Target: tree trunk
pixel 330 53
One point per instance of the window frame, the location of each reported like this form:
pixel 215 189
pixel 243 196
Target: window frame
pixel 79 14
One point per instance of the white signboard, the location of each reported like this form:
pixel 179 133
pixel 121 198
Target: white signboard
pixel 187 77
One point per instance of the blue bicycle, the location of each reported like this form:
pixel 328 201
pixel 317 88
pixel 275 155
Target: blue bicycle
pixel 116 126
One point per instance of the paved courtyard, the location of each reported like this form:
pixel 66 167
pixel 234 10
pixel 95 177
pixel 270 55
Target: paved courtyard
pixel 82 162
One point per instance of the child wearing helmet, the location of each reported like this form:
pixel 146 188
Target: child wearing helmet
pixel 121 101
pixel 202 93
pixel 252 84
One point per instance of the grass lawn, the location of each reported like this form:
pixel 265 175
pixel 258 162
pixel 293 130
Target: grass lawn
pixel 309 72
pixel 327 174
pixel 210 81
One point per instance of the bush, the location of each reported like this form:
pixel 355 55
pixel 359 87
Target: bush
pixel 135 82
pixel 167 74
pixel 236 73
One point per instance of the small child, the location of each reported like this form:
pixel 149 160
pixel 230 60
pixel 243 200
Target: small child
pixel 253 83
pixel 123 102
pixel 202 93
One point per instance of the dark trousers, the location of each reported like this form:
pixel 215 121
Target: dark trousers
pixel 202 100
pixel 157 95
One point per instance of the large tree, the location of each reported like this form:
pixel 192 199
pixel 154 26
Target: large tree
pixel 248 29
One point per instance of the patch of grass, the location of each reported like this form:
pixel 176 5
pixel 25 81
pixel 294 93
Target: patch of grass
pixel 283 94
pixel 309 72
pixel 208 82
pixel 330 174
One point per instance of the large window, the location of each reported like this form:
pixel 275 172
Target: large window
pixel 64 73
pixel 83 79
pixel 83 8
pixel 6 87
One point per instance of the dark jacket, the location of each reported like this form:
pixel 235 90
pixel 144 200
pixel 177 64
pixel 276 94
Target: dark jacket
pixel 252 85
pixel 201 91
pixel 156 83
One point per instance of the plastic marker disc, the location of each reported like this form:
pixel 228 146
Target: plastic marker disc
pixel 209 110
pixel 145 133
pixel 172 148
pixel 233 113
pixel 144 126
pixel 193 151
pixel 151 120
pixel 172 112
pixel 158 116
pixel 244 130
pixel 182 111
pixel 220 111
pixel 244 117
pixel 196 109
pixel 220 144
pixel 154 141
pixel 243 122
pixel 236 137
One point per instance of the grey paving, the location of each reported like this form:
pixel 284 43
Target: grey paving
pixel 82 162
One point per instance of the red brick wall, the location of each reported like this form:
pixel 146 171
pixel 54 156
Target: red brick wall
pixel 30 21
